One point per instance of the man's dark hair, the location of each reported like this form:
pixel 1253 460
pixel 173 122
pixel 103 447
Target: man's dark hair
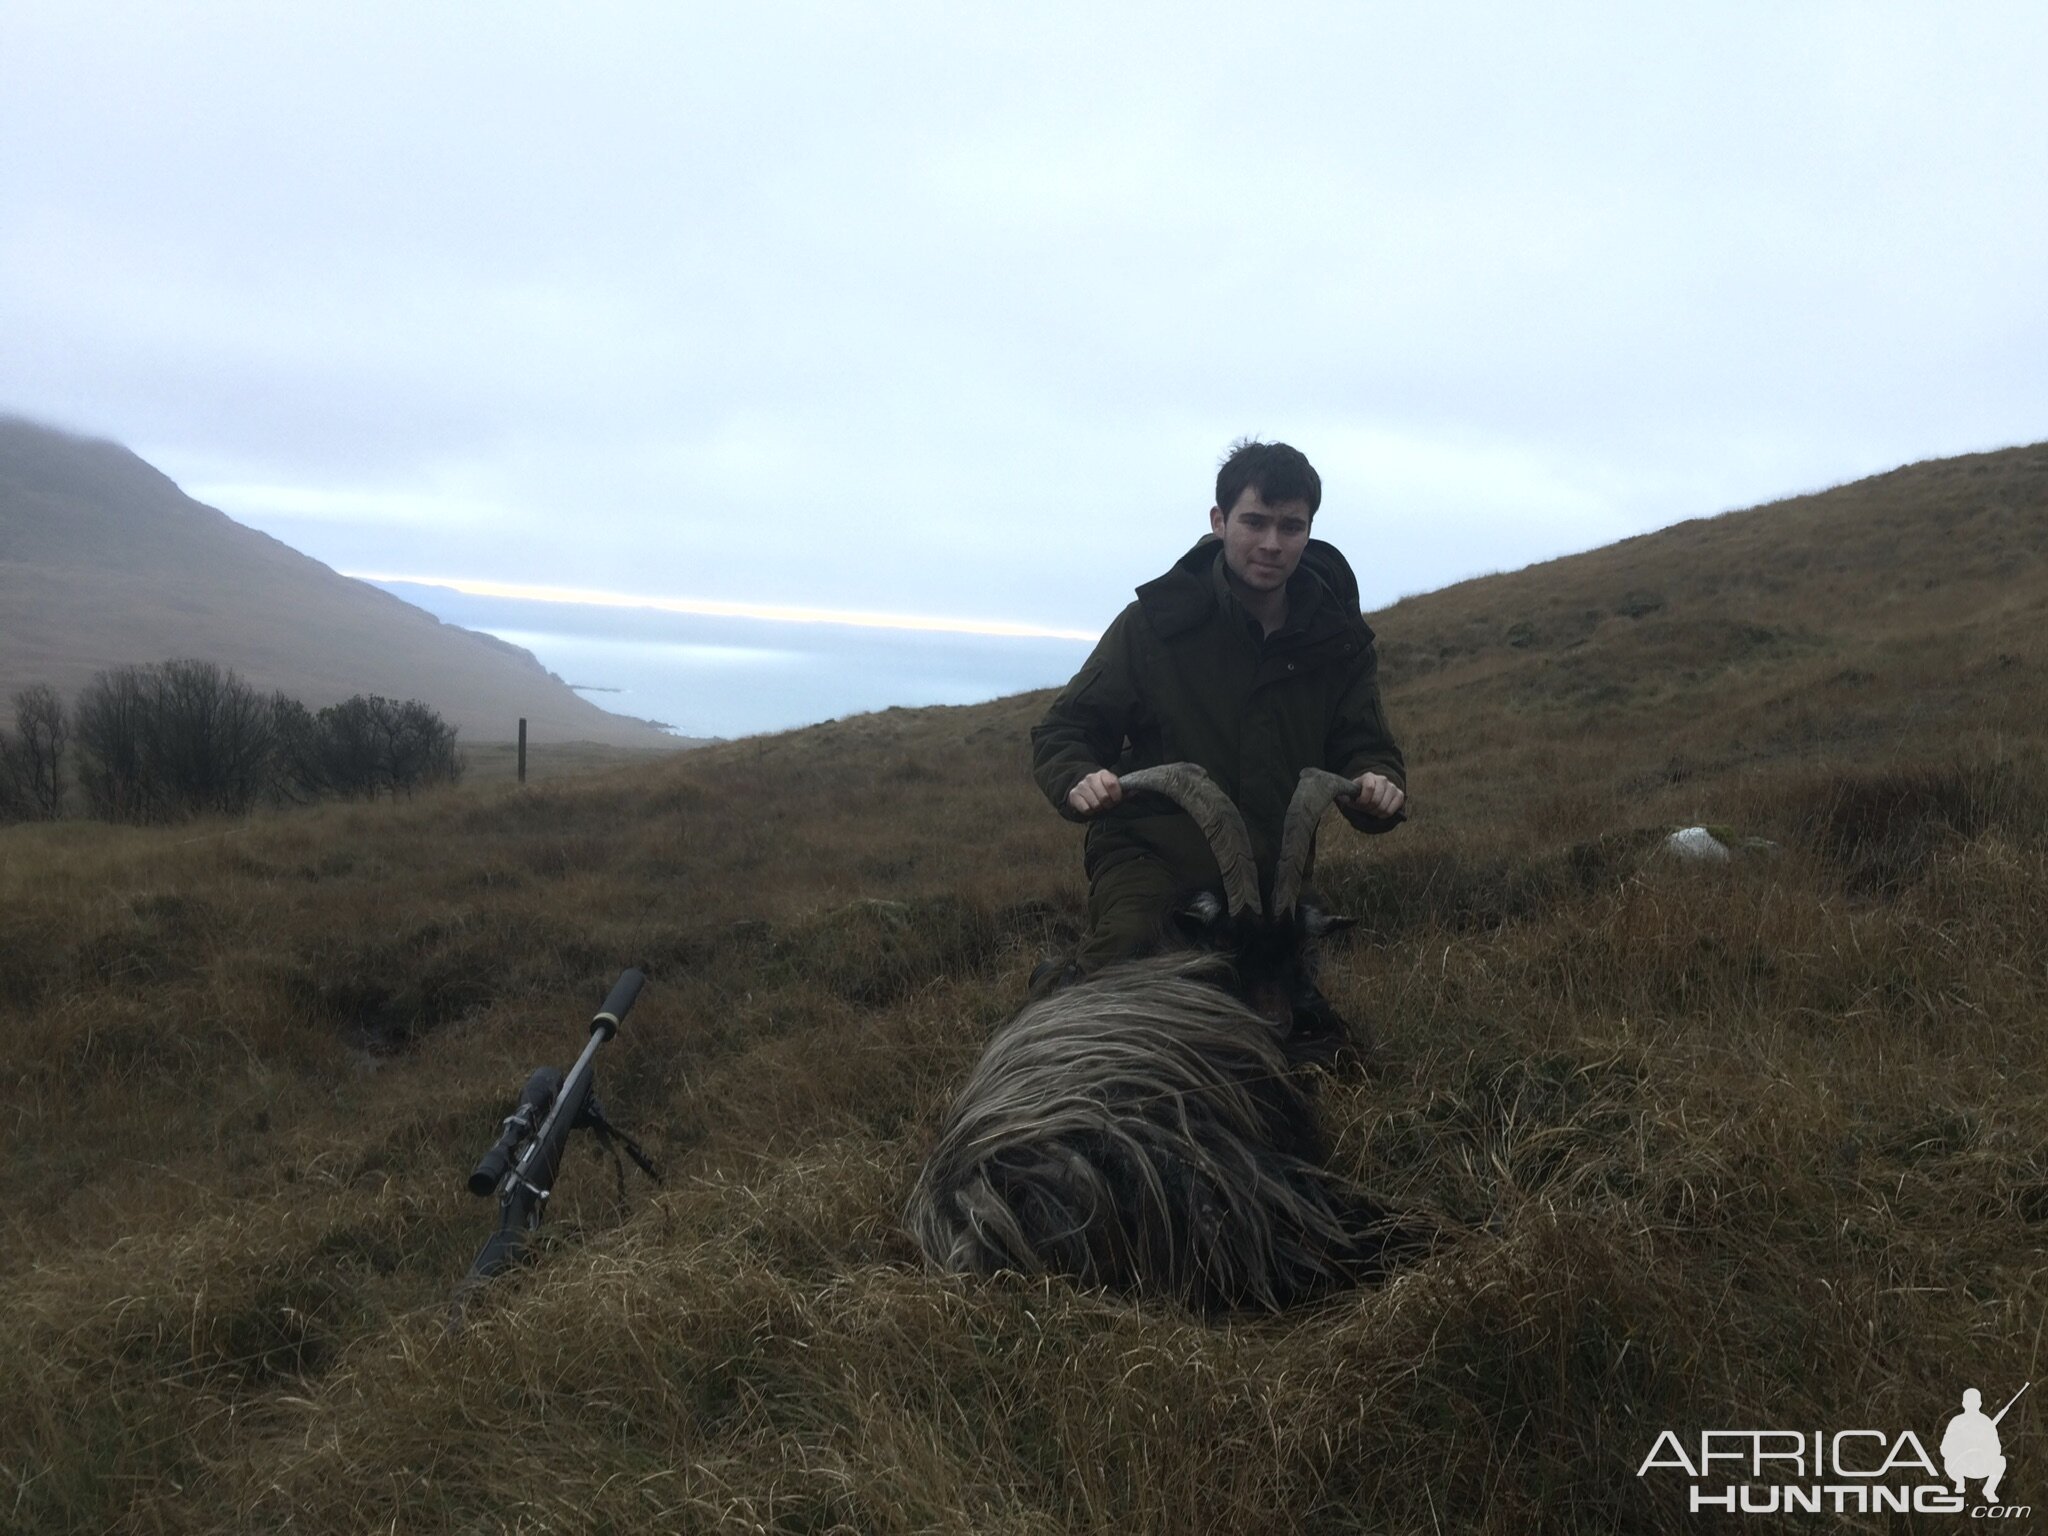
pixel 1277 472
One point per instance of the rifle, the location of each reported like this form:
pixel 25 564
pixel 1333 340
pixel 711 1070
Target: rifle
pixel 520 1168
pixel 2008 1405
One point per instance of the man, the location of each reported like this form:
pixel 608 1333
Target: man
pixel 1970 1448
pixel 1249 657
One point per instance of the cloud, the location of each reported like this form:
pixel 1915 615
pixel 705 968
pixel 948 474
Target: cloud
pixel 387 509
pixel 777 613
pixel 938 310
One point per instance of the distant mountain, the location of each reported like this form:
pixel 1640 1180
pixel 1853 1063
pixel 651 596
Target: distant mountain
pixel 103 560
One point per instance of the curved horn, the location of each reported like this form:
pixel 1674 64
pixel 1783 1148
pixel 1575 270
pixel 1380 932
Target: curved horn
pixel 1190 788
pixel 1313 795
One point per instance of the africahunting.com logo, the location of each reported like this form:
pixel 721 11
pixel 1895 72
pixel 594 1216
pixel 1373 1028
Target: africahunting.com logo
pixel 1844 1471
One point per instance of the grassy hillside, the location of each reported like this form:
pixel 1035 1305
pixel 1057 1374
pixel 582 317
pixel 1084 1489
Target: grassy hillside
pixel 1759 1145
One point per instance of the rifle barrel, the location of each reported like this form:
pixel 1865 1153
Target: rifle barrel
pixel 2011 1400
pixel 613 1013
pixel 544 1152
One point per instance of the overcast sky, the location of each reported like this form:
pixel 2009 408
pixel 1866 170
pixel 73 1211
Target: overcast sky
pixel 949 310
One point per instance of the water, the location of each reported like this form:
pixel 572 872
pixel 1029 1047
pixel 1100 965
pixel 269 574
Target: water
pixel 707 676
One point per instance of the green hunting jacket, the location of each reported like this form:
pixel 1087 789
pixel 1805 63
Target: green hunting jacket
pixel 1186 674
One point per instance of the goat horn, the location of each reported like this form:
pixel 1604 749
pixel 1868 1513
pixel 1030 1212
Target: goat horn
pixel 1190 788
pixel 1313 795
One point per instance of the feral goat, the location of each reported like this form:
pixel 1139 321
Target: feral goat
pixel 1146 1129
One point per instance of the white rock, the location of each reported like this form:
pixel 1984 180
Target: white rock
pixel 1697 843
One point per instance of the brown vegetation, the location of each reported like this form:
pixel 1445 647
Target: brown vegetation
pixel 1763 1144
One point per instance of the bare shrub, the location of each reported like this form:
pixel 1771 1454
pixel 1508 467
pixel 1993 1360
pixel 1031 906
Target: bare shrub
pixel 421 749
pixel 108 725
pixel 32 759
pixel 211 739
pixel 298 762
pixel 177 739
pixel 183 738
pixel 369 745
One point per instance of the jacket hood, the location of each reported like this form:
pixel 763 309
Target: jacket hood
pixel 1184 596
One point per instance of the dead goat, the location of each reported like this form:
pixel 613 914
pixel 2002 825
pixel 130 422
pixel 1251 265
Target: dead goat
pixel 1147 1129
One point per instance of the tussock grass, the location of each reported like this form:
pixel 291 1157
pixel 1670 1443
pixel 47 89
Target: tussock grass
pixel 1763 1144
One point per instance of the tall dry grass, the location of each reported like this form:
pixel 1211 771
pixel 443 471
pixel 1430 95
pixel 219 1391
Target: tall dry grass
pixel 1755 1145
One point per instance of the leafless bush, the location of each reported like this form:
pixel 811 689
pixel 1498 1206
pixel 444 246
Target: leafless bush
pixel 369 745
pixel 32 759
pixel 181 738
pixel 210 740
pixel 108 725
pixel 298 762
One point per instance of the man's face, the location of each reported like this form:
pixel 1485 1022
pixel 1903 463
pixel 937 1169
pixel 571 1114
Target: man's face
pixel 1261 545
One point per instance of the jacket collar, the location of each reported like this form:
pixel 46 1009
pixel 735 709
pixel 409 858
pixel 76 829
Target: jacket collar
pixel 1322 595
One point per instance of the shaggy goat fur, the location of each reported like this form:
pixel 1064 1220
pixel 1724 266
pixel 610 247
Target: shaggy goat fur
pixel 1144 1131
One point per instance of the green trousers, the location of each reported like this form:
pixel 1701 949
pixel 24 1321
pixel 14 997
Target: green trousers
pixel 1127 904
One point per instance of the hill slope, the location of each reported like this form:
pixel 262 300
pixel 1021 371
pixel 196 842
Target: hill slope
pixel 1894 614
pixel 1761 1145
pixel 104 561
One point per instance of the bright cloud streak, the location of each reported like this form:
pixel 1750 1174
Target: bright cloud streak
pixel 773 612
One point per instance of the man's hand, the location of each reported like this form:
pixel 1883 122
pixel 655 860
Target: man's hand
pixel 1378 795
pixel 1097 792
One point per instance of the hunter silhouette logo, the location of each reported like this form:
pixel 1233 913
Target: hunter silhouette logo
pixel 1970 1446
pixel 1862 1471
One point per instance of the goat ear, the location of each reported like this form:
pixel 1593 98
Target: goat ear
pixel 1320 925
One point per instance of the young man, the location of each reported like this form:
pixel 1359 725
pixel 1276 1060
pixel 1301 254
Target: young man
pixel 1249 657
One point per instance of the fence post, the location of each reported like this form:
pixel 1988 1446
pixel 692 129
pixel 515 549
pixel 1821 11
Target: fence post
pixel 522 749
